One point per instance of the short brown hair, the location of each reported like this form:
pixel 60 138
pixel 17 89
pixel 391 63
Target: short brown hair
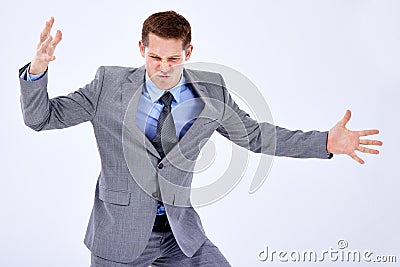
pixel 168 24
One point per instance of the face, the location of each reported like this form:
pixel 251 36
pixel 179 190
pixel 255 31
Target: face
pixel 164 60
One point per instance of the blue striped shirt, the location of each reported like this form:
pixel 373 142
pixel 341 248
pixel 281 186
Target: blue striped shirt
pixel 184 108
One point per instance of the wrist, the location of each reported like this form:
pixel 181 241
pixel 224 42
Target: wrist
pixel 37 67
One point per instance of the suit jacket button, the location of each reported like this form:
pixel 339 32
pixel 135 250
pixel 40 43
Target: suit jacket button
pixel 160 166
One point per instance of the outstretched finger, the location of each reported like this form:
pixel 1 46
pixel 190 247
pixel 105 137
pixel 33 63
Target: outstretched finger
pixel 356 158
pixel 52 46
pixel 57 39
pixel 368 132
pixel 45 45
pixel 46 31
pixel 367 150
pixel 371 142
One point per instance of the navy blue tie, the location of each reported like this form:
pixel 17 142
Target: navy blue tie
pixel 165 137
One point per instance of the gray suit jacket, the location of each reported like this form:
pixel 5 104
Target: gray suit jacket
pixel 129 182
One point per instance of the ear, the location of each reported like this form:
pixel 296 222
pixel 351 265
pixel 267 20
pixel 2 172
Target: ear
pixel 141 47
pixel 189 51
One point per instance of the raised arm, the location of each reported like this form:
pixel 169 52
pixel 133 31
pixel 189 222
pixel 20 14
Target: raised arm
pixel 40 112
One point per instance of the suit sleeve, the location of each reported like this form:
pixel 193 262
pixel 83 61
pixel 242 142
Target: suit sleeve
pixel 41 113
pixel 264 137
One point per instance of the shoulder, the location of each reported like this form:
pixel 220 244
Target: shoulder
pixel 116 72
pixel 202 76
pixel 118 69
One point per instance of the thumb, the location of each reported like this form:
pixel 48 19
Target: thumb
pixel 345 119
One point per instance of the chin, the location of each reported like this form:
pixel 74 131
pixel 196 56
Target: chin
pixel 165 84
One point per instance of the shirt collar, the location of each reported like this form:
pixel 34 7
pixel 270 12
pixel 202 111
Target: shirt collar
pixel 155 93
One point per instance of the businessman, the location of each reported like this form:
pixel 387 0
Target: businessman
pixel 147 121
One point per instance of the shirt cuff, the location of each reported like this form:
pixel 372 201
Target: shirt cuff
pixel 31 77
pixel 328 154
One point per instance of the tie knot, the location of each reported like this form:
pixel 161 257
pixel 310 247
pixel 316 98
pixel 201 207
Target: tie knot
pixel 167 98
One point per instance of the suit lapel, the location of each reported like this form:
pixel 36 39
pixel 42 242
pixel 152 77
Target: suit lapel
pixel 131 92
pixel 207 113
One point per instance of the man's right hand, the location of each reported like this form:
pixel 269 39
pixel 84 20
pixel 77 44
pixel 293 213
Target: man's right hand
pixel 45 49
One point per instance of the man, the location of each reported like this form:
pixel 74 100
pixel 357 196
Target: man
pixel 148 143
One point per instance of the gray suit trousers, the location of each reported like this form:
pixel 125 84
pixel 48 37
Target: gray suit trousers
pixel 162 250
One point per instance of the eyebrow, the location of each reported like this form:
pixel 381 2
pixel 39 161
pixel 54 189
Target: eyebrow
pixel 155 55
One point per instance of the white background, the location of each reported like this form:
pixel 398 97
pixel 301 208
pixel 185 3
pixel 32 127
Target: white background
pixel 311 60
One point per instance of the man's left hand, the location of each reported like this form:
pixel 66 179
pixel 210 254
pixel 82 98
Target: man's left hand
pixel 344 141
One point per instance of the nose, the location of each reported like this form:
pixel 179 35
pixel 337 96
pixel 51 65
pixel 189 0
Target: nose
pixel 164 66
